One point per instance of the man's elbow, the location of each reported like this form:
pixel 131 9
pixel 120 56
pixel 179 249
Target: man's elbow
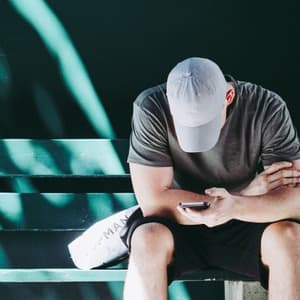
pixel 155 207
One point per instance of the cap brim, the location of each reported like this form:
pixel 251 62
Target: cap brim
pixel 198 139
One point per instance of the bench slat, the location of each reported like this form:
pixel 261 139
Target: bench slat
pixel 75 275
pixel 66 183
pixel 63 156
pixel 60 275
pixel 59 211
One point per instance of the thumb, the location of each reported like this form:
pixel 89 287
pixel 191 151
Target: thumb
pixel 216 192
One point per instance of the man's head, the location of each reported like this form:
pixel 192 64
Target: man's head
pixel 198 96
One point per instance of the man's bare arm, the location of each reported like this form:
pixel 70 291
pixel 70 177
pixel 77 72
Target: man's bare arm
pixel 277 204
pixel 283 203
pixel 152 186
pixel 155 195
pixel 278 174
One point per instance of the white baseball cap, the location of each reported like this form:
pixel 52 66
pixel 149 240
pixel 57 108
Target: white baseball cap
pixel 196 91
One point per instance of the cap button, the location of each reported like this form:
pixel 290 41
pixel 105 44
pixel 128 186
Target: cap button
pixel 187 74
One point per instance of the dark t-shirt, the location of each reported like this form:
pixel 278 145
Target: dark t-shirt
pixel 258 130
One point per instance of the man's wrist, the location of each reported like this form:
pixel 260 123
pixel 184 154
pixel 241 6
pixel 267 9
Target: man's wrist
pixel 239 206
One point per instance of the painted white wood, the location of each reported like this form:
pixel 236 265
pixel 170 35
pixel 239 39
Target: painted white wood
pixel 240 290
pixel 233 290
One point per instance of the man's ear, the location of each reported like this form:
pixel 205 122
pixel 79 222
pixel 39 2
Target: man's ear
pixel 230 94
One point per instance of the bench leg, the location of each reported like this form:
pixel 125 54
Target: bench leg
pixel 241 290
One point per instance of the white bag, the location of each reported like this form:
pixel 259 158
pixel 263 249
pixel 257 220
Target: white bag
pixel 101 243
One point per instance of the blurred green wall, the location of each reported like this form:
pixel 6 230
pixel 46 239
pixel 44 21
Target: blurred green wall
pixel 126 47
pixel 129 46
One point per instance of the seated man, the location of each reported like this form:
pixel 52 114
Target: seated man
pixel 202 136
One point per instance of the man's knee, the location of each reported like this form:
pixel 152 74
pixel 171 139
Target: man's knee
pixel 280 241
pixel 154 240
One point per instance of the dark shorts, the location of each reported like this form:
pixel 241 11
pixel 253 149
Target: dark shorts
pixel 234 246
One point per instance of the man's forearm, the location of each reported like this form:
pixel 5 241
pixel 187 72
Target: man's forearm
pixel 282 203
pixel 166 203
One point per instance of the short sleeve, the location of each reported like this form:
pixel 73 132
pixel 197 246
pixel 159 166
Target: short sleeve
pixel 148 139
pixel 280 141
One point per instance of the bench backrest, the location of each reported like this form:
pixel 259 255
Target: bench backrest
pixel 52 190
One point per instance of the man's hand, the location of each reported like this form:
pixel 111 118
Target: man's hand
pixel 222 209
pixel 277 175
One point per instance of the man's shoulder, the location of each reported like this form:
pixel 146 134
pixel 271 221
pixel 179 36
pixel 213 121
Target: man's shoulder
pixel 255 94
pixel 152 96
pixel 248 88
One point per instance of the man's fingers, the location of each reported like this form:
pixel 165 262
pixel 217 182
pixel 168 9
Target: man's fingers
pixel 278 166
pixel 291 173
pixel 285 181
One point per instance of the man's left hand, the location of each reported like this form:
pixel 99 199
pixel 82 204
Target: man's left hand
pixel 221 210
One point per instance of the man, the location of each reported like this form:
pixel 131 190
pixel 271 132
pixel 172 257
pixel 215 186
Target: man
pixel 203 137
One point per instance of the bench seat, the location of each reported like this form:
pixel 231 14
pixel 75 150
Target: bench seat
pixel 53 190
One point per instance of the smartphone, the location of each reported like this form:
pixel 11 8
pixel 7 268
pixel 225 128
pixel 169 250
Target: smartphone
pixel 195 205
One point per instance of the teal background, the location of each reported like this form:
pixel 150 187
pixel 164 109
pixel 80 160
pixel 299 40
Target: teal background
pixel 129 46
pixel 125 48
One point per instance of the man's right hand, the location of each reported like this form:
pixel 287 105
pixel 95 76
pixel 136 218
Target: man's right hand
pixel 274 176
